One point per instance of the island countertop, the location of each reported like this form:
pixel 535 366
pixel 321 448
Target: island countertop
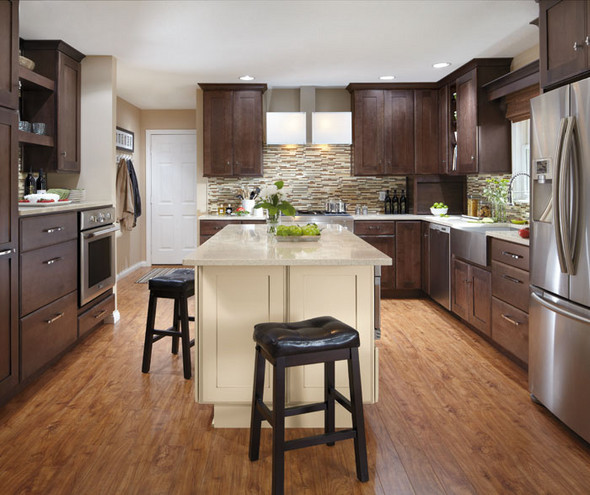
pixel 250 245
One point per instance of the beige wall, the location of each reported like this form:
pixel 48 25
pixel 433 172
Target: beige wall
pixel 525 58
pixel 131 244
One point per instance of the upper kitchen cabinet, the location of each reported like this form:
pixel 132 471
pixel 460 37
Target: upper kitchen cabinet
pixel 390 129
pixel 60 110
pixel 232 129
pixel 564 40
pixel 478 131
pixel 9 54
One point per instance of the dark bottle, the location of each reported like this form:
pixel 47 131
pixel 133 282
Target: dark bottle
pixel 228 210
pixel 403 204
pixel 387 203
pixel 30 184
pixel 395 203
pixel 41 181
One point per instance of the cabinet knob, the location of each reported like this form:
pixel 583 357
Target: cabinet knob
pixel 587 40
pixel 472 158
pixel 577 46
pixel 64 153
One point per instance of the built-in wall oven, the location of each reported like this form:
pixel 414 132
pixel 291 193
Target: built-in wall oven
pixel 96 253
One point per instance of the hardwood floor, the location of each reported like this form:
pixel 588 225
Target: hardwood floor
pixel 454 416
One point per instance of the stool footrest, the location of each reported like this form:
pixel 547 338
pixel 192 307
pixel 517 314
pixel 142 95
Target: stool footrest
pixel 264 410
pixel 167 333
pixel 300 443
pixel 304 409
pixel 343 401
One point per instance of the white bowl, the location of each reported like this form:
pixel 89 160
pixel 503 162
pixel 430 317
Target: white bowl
pixel 438 211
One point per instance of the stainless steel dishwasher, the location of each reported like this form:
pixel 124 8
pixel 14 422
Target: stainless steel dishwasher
pixel 439 249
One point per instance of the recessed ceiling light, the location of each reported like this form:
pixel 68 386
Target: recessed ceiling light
pixel 441 65
pixel 387 78
pixel 246 78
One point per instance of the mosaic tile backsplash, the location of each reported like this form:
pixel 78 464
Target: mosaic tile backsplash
pixel 312 175
pixel 476 183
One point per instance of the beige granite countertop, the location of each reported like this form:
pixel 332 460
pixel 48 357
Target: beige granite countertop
pixel 247 245
pixel 25 211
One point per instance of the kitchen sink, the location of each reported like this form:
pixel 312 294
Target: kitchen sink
pixel 470 241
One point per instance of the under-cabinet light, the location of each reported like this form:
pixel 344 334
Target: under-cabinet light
pixel 285 128
pixel 331 127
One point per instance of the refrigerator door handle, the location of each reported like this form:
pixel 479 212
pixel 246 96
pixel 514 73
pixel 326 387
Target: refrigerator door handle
pixel 557 193
pixel 559 309
pixel 570 204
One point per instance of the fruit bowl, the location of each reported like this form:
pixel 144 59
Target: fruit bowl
pixel 437 212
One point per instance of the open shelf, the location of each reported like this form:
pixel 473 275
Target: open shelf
pixel 32 138
pixel 31 80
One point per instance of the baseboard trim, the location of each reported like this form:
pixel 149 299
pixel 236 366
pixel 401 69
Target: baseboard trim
pixel 127 271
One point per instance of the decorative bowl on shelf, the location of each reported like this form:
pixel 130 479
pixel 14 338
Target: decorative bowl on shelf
pixel 437 212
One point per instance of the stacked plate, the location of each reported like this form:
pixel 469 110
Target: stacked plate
pixel 77 195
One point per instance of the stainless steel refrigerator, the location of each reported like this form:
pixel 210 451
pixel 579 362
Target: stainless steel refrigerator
pixel 559 314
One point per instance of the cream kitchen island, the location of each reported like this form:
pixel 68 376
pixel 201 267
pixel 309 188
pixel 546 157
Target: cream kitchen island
pixel 244 277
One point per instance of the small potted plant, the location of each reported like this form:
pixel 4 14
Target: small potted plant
pixel 272 200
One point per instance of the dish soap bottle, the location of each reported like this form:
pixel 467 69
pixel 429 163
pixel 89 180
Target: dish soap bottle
pixel 30 184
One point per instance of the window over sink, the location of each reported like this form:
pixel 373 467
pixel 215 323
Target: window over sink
pixel 521 161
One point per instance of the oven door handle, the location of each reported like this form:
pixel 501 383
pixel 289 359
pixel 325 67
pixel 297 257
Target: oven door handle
pixel 94 235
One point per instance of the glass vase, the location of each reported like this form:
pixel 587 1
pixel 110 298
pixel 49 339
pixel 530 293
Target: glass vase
pixel 272 222
pixel 499 212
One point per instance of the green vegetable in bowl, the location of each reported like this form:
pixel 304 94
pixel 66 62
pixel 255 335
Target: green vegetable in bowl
pixel 282 230
pixel 295 230
pixel 439 205
pixel 311 229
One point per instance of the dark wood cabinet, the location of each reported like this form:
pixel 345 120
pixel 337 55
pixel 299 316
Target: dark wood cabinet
pixel 394 130
pixel 400 240
pixel 9 54
pixel 52 96
pixel 408 255
pixel 425 248
pixel 9 363
pixel 426 129
pixel 208 228
pixel 510 301
pixel 478 137
pixel 564 27
pixel 472 294
pixel 232 129
pixel 445 136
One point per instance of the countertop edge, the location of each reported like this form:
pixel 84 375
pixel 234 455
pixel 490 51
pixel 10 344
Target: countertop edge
pixel 45 210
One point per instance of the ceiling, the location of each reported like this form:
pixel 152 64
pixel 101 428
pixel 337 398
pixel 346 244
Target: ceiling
pixel 164 48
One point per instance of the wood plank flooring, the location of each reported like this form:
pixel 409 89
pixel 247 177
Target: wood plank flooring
pixel 454 416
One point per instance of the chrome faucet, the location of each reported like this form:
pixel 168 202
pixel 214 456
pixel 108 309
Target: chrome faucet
pixel 519 174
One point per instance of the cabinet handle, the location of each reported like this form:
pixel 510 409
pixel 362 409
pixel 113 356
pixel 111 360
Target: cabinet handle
pixel 587 40
pixel 507 318
pixel 64 153
pixel 512 255
pixel 7 251
pixel 100 313
pixel 53 260
pixel 53 229
pixel 56 317
pixel 468 282
pixel 512 279
pixel 577 46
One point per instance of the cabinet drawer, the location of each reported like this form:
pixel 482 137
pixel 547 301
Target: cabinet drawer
pixel 511 285
pixel 210 227
pixel 47 274
pixel 45 230
pixel 510 253
pixel 47 332
pixel 510 329
pixel 364 227
pixel 95 315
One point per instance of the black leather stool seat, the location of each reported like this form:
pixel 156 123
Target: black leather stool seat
pixel 180 279
pixel 316 334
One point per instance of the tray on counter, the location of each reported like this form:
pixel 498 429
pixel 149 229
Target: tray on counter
pixel 298 238
pixel 53 203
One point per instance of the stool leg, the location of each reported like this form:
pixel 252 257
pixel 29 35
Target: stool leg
pixel 330 415
pixel 358 421
pixel 278 431
pixel 175 324
pixel 256 416
pixel 149 327
pixel 186 338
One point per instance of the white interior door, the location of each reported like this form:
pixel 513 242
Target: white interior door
pixel 173 197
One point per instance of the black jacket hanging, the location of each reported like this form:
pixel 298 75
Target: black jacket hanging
pixel 135 186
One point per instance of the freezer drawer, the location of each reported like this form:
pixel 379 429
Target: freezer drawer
pixel 559 359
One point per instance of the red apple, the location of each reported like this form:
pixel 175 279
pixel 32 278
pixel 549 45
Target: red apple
pixel 524 233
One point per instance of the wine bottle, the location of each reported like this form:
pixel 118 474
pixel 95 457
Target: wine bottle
pixel 387 203
pixel 395 203
pixel 41 182
pixel 403 208
pixel 30 184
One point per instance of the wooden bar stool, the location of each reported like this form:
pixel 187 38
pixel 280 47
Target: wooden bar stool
pixel 178 285
pixel 318 340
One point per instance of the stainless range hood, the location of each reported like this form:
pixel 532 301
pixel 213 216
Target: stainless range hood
pixel 293 117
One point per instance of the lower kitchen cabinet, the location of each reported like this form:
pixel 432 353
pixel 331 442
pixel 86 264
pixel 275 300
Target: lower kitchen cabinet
pixel 8 323
pixel 208 228
pixel 471 295
pixel 425 248
pixel 400 240
pixel 510 329
pixel 96 315
pixel 48 332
